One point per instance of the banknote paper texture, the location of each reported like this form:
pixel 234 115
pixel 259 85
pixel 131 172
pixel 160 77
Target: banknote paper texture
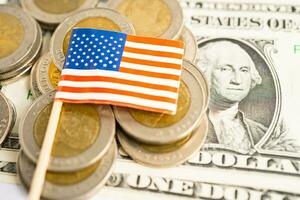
pixel 253 146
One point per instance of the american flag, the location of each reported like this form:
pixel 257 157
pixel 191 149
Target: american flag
pixel 107 67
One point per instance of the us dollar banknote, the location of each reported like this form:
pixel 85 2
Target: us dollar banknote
pixel 249 52
pixel 253 145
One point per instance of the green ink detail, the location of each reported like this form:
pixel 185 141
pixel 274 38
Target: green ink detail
pixel 29 94
pixel 297 48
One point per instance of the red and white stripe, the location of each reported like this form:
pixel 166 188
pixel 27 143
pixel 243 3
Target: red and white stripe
pixel 148 79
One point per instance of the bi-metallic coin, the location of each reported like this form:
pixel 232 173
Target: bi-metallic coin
pixel 83 135
pixel 155 18
pixel 19 39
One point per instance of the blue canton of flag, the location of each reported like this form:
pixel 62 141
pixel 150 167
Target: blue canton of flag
pixel 88 51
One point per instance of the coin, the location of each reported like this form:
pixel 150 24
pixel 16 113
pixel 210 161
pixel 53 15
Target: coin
pixel 165 155
pixel 99 18
pixel 167 129
pixel 190 50
pixel 155 18
pixel 52 12
pixel 16 41
pixel 47 74
pixel 83 135
pixel 76 185
pixel 7 117
pixel 23 66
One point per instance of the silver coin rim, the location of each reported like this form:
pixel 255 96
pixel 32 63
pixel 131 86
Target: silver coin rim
pixel 9 117
pixel 201 78
pixel 30 35
pixel 33 82
pixel 88 157
pixel 168 159
pixel 52 19
pixel 43 82
pixel 14 114
pixel 81 190
pixel 176 131
pixel 177 22
pixel 57 39
pixel 190 44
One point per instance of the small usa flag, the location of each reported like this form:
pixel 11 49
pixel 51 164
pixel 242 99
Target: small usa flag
pixel 107 67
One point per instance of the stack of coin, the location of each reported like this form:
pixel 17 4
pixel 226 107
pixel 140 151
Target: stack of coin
pixel 83 152
pixel 44 76
pixel 98 18
pixel 52 12
pixel 20 42
pixel 160 140
pixel 7 117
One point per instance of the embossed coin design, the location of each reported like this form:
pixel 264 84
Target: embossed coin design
pixel 153 128
pixel 190 51
pixel 33 82
pixel 155 18
pixel 52 12
pixel 7 117
pixel 73 185
pixel 165 155
pixel 47 74
pixel 83 135
pixel 99 18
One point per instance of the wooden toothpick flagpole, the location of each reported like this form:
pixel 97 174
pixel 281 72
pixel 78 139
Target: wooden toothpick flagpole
pixel 45 154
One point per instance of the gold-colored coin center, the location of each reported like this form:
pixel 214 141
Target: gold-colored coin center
pixel 149 18
pixel 159 120
pixel 71 178
pixel 77 130
pixel 54 75
pixel 58 6
pixel 94 22
pixel 11 34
